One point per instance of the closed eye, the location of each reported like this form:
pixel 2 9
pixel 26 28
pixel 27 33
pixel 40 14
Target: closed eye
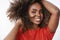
pixel 33 11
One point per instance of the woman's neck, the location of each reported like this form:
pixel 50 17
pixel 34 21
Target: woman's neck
pixel 35 26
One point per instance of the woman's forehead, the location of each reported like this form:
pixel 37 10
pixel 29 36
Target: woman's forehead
pixel 35 6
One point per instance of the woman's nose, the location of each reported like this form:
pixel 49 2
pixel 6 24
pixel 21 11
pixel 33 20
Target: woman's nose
pixel 37 14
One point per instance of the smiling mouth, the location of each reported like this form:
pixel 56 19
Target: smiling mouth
pixel 37 19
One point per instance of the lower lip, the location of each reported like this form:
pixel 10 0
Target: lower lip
pixel 37 20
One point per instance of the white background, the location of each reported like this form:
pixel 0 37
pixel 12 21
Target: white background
pixel 6 26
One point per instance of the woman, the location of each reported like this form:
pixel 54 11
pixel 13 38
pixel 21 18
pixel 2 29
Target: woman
pixel 35 20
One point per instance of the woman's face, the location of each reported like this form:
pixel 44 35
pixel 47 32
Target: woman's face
pixel 35 13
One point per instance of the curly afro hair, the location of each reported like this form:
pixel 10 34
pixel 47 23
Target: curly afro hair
pixel 19 9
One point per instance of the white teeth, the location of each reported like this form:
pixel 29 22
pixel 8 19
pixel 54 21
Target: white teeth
pixel 37 19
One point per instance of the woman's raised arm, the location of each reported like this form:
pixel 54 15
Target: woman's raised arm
pixel 12 34
pixel 54 18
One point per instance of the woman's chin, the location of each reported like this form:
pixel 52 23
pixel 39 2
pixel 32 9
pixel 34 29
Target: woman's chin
pixel 37 23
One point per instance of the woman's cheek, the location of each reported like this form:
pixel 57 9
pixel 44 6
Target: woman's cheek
pixel 32 15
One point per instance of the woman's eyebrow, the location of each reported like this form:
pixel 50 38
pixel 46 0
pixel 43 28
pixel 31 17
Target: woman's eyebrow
pixel 35 9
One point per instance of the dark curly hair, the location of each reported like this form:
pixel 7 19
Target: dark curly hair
pixel 19 9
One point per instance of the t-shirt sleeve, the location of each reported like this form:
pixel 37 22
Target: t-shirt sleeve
pixel 48 33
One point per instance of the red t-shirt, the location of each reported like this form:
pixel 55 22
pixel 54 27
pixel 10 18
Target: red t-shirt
pixel 38 34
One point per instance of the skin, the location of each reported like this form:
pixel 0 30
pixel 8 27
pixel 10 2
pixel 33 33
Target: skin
pixel 52 25
pixel 12 34
pixel 54 19
pixel 35 14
